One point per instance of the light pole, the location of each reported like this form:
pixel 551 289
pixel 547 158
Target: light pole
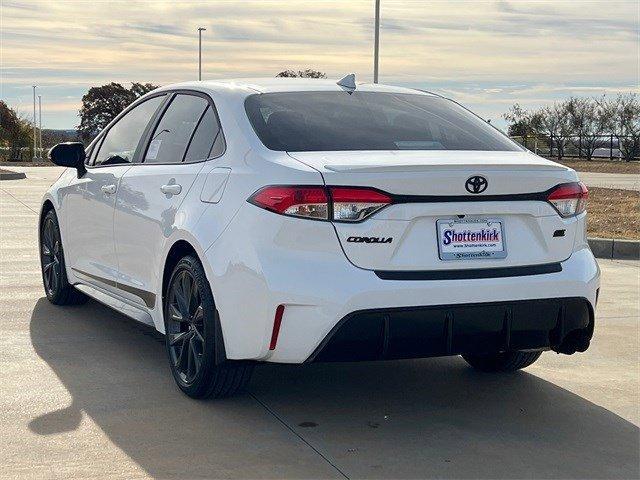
pixel 200 30
pixel 34 123
pixel 40 123
pixel 376 43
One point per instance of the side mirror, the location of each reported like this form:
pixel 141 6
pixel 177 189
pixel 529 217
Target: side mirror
pixel 69 154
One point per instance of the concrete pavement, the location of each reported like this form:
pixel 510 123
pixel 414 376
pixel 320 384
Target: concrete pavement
pixel 623 181
pixel 87 393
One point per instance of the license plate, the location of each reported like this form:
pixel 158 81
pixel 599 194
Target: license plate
pixel 470 239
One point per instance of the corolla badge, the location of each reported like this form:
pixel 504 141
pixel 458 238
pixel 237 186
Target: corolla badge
pixel 370 239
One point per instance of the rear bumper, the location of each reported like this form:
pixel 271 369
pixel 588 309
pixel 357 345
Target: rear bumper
pixel 561 324
pixel 476 307
pixel 299 264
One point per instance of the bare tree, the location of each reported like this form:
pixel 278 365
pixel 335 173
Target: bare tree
pixel 624 117
pixel 554 121
pixel 522 122
pixel 590 120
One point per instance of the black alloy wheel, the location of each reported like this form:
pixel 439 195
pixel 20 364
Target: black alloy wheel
pixel 194 336
pixel 50 245
pixel 185 326
pixel 54 274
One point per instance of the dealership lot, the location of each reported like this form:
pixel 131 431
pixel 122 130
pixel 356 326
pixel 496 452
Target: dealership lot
pixel 88 393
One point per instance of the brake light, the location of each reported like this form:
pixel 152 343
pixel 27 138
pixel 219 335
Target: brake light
pixel 569 199
pixel 307 202
pixel 343 204
pixel 355 204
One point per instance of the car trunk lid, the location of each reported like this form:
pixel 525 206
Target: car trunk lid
pixel 430 195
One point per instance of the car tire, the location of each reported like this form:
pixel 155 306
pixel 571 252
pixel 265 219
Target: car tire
pixel 502 362
pixel 54 273
pixel 194 338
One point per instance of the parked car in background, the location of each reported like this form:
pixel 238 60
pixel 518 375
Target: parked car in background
pixel 296 220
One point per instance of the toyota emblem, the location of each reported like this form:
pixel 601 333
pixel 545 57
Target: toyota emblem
pixel 476 184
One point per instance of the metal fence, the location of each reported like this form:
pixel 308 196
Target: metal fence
pixel 606 147
pixel 23 154
pixel 575 146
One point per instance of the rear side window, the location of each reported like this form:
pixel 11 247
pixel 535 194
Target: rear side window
pixel 121 141
pixel 207 140
pixel 175 130
pixel 326 121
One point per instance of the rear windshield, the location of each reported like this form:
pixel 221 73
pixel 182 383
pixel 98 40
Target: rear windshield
pixel 329 121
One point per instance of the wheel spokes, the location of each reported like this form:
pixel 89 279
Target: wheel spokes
pixel 46 237
pixel 198 323
pixel 49 236
pixel 196 357
pixel 187 291
pixel 50 252
pixel 47 276
pixel 184 352
pixel 175 338
pixel 198 334
pixel 185 326
pixel 181 299
pixel 190 362
pixel 54 278
pixel 175 314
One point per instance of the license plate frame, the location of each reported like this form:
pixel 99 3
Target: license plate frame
pixel 477 250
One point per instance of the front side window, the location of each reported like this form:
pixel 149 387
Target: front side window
pixel 120 142
pixel 175 130
pixel 334 121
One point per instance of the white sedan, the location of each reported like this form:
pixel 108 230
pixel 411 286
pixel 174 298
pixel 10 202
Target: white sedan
pixel 303 220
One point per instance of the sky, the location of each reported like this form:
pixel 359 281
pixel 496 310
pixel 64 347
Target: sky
pixel 486 55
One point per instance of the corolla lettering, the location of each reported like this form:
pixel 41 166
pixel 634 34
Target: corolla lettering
pixel 370 239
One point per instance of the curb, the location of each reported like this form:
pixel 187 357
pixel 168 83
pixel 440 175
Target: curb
pixel 9 175
pixel 615 248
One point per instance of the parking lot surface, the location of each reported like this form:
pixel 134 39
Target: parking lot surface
pixel 623 181
pixel 86 392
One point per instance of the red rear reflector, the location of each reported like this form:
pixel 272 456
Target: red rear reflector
pixel 276 327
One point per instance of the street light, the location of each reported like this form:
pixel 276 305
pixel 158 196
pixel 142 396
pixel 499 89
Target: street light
pixel 34 123
pixel 200 30
pixel 40 122
pixel 376 43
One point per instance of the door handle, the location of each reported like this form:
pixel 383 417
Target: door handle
pixel 108 189
pixel 171 189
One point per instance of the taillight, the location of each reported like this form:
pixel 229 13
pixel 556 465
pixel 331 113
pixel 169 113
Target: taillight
pixel 569 199
pixel 307 202
pixel 355 204
pixel 342 204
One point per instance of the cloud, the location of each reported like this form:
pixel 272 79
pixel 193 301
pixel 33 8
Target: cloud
pixel 472 49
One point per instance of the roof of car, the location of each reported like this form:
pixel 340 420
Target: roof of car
pixel 284 84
